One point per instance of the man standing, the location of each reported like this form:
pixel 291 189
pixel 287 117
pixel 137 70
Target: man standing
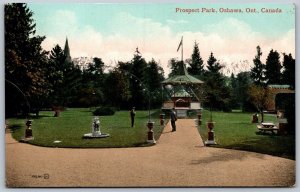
pixel 173 119
pixel 132 115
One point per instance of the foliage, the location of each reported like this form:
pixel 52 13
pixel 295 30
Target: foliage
pixel 55 74
pixel 260 97
pixel 196 63
pixel 92 84
pixel 139 95
pixel 174 64
pixel 258 71
pixel 116 87
pixel 290 113
pixel 286 102
pixel 25 61
pixel 104 111
pixel 288 76
pixel 240 85
pixel 273 68
pixel 217 95
pixel 154 75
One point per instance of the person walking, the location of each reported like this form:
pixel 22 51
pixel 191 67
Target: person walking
pixel 132 115
pixel 173 119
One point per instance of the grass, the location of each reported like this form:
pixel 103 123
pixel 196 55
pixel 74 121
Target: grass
pixel 232 130
pixel 235 131
pixel 74 123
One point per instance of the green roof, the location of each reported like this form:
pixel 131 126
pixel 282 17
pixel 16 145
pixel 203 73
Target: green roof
pixel 182 78
pixel 182 93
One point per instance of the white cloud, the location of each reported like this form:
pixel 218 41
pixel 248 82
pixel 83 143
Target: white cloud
pixel 231 40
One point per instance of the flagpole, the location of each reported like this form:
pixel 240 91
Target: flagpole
pixel 182 48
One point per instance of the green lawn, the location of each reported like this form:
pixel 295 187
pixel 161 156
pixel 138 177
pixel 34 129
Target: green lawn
pixel 235 131
pixel 74 123
pixel 232 130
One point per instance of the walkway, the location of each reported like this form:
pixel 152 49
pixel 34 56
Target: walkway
pixel 178 159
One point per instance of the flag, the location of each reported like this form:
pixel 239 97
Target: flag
pixel 180 44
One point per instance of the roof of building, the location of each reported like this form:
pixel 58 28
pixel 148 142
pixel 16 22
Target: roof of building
pixel 182 78
pixel 182 93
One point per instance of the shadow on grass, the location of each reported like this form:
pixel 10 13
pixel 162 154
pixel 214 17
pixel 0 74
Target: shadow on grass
pixel 281 146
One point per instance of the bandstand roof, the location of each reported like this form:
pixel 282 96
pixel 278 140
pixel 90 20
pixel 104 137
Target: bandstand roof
pixel 181 93
pixel 182 78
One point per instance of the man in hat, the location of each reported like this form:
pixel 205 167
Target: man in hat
pixel 132 115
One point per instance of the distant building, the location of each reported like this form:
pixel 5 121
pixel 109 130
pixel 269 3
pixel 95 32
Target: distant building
pixel 276 91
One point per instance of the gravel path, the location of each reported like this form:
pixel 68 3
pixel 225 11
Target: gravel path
pixel 178 159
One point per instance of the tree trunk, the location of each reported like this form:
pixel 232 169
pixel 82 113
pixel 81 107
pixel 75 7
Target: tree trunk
pixel 262 115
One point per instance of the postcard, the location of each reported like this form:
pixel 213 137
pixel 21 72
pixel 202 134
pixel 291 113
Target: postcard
pixel 149 95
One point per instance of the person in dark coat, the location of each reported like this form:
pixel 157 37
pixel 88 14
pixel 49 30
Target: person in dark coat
pixel 132 115
pixel 173 119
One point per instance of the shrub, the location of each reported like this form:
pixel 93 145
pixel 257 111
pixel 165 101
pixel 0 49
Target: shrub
pixel 104 111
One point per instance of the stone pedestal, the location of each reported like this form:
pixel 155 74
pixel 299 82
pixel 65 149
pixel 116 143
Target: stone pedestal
pixel 56 113
pixel 162 119
pixel 150 138
pixel 210 134
pixel 199 115
pixel 96 132
pixel 28 132
pixel 254 118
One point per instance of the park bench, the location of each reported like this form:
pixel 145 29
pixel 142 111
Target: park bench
pixel 267 127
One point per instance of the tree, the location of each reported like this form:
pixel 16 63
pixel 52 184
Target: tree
pixel 288 76
pixel 54 74
pixel 273 67
pixel 154 75
pixel 116 87
pixel 25 60
pixel 137 82
pixel 196 63
pixel 260 97
pixel 243 82
pixel 174 64
pixel 217 93
pixel 234 101
pixel 258 71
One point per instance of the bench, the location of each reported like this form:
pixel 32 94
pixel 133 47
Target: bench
pixel 263 129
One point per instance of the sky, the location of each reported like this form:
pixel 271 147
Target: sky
pixel 113 31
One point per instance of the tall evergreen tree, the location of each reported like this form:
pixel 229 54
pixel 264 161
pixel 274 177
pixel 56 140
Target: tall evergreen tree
pixel 258 71
pixel 137 81
pixel 234 102
pixel 175 65
pixel 243 81
pixel 273 68
pixel 217 93
pixel 213 66
pixel 288 76
pixel 154 75
pixel 196 63
pixel 25 60
pixel 55 74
